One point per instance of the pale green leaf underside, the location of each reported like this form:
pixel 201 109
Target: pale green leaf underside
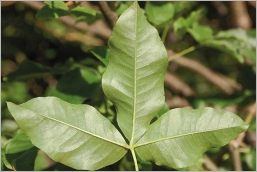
pixel 75 135
pixel 180 137
pixel 134 77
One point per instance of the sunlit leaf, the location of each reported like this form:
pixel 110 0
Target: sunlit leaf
pixel 180 137
pixel 134 78
pixel 75 135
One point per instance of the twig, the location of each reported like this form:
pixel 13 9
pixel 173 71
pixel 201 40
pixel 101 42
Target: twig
pixel 175 83
pixel 235 144
pixel 165 32
pixel 177 101
pixel 209 164
pixel 70 36
pixel 223 84
pixel 110 16
pixel 98 28
pixel 188 50
pixel 240 16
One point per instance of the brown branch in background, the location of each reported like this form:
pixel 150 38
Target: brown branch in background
pixel 70 35
pixel 252 3
pixel 98 28
pixel 110 16
pixel 235 144
pixel 220 7
pixel 209 164
pixel 225 84
pixel 176 101
pixel 7 3
pixel 175 83
pixel 240 16
pixel 72 4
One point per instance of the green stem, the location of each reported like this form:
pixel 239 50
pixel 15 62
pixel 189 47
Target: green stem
pixel 188 50
pixel 134 157
pixel 165 32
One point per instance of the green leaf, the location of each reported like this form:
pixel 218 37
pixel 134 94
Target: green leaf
pixel 42 161
pixel 102 53
pixel 133 80
pixel 75 135
pixel 57 4
pixel 181 25
pixel 82 11
pixel 180 137
pixel 159 13
pixel 84 14
pixel 28 70
pixel 201 33
pixel 19 143
pixel 21 161
pixel 244 43
pixel 227 46
pixel 250 159
pixel 53 9
pixel 74 86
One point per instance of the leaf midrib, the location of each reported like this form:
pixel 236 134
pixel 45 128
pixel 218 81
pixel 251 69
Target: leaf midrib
pixel 135 84
pixel 97 136
pixel 187 134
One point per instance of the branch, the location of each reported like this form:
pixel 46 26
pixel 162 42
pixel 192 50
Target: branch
pixel 209 164
pixel 175 83
pixel 177 101
pixel 240 16
pixel 98 28
pixel 110 16
pixel 225 84
pixel 234 145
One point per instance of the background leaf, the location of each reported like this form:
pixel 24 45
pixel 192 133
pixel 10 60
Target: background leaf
pixel 200 33
pixel 102 53
pixel 182 24
pixel 133 80
pixel 180 137
pixel 27 70
pixel 53 9
pixel 19 143
pixel 67 131
pixel 73 87
pixel 21 161
pixel 159 13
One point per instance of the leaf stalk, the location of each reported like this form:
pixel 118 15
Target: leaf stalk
pixel 188 50
pixel 134 157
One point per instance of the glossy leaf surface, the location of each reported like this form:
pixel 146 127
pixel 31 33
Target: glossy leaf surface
pixel 134 78
pixel 75 135
pixel 179 137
